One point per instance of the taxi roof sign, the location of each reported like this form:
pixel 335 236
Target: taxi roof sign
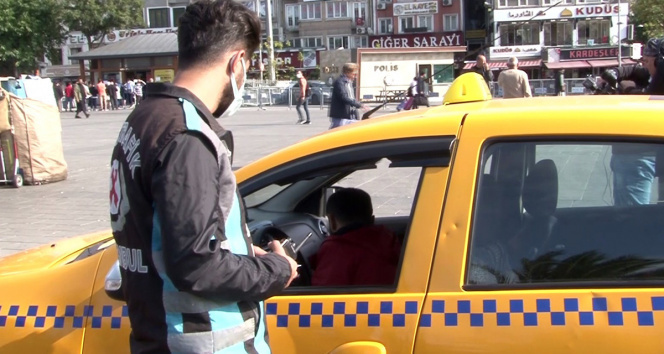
pixel 468 87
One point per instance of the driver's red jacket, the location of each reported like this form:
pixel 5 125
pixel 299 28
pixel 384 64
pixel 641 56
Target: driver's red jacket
pixel 364 255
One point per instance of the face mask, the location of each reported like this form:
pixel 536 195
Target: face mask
pixel 299 76
pixel 237 93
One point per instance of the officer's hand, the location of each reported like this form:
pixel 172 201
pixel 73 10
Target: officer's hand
pixel 364 107
pixel 276 248
pixel 259 251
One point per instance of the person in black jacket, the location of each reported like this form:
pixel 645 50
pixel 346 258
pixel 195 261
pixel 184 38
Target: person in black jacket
pixel 343 103
pixel 192 279
pixel 482 67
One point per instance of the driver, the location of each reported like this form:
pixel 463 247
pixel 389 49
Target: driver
pixel 358 252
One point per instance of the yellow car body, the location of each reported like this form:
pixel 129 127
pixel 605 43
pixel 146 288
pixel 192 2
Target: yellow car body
pixel 53 299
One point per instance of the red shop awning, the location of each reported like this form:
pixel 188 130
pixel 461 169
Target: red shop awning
pixel 607 63
pixel 568 65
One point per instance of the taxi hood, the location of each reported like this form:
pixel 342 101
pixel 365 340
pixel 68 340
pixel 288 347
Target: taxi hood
pixel 56 253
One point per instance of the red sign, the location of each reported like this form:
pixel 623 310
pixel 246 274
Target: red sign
pixel 417 40
pixel 595 53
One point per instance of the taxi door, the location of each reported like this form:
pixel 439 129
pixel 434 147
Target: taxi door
pixel 577 316
pixel 369 319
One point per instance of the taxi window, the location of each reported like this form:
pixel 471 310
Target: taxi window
pixel 567 214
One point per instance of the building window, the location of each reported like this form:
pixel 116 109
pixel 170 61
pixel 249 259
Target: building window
pixel 519 34
pixel 310 11
pixel 509 3
pixel 337 42
pixel 159 17
pixel 359 13
pixel 594 31
pixel 337 10
pixel 551 2
pixel 385 26
pixel 359 42
pixel 308 42
pixel 73 51
pixel 177 13
pixel 529 2
pixel 292 16
pixel 557 33
pixel 406 23
pixel 56 58
pixel 450 23
pixel 425 21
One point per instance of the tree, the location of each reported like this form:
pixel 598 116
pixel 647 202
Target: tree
pixel 96 18
pixel 29 30
pixel 650 15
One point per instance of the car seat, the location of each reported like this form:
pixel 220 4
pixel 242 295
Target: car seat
pixel 540 199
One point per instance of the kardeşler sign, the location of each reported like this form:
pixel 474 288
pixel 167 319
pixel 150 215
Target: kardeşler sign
pixel 515 51
pixel 592 53
pixel 420 40
pixel 415 8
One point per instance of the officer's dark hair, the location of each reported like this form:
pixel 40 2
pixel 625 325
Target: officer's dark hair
pixel 350 205
pixel 208 29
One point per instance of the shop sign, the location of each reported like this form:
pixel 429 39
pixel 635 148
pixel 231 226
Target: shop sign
pixel 421 40
pixel 515 51
pixel 288 59
pixel 164 75
pixel 415 8
pixel 117 35
pixel 592 53
pixel 561 12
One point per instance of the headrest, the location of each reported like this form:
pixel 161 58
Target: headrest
pixel 540 190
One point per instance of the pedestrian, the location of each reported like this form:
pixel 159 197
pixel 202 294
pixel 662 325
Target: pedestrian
pixel 59 93
pixel 191 278
pixel 343 104
pixel 93 96
pixel 514 81
pixel 138 90
pixel 69 97
pixel 80 94
pixel 422 96
pixel 101 89
pixel 112 93
pixel 303 99
pixel 482 67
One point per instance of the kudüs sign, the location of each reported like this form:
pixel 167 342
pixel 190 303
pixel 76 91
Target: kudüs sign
pixel 446 39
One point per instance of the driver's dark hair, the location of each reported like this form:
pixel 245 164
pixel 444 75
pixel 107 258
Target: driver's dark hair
pixel 208 29
pixel 350 206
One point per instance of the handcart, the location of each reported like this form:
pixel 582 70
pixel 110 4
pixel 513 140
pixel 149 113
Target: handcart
pixel 10 172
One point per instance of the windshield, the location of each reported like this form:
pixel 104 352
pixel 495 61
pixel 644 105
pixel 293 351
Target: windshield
pixel 264 194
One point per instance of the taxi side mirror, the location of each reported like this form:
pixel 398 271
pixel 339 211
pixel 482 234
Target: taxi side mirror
pixel 113 283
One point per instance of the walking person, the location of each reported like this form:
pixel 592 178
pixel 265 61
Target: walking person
pixel 303 99
pixel 59 93
pixel 422 96
pixel 195 283
pixel 80 96
pixel 69 97
pixel 343 104
pixel 482 67
pixel 514 81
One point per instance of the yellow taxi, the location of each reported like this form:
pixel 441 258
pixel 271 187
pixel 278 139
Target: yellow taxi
pixel 527 226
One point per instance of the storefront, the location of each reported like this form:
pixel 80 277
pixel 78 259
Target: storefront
pixel 148 56
pixel 389 66
pixel 594 29
pixel 579 63
pixel 529 56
